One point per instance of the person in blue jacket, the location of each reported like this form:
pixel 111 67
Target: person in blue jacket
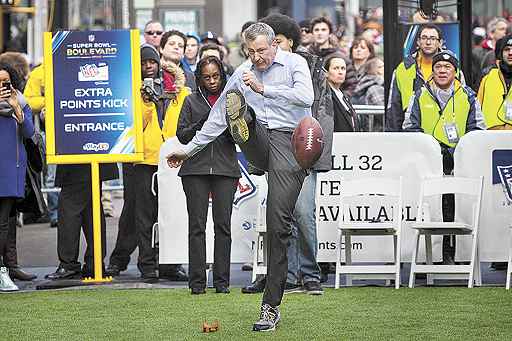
pixel 15 124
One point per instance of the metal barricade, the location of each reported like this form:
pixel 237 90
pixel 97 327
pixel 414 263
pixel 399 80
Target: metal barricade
pixel 371 111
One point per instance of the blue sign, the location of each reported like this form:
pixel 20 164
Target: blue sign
pixel 93 106
pixel 502 170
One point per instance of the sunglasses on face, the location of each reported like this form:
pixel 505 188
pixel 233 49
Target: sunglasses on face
pixel 304 30
pixel 151 33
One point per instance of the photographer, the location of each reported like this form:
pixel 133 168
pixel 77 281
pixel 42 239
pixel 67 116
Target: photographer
pixel 160 117
pixel 15 123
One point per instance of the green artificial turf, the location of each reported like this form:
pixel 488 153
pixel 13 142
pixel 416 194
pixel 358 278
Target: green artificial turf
pixel 173 314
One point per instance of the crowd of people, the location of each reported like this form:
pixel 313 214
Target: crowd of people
pixel 291 70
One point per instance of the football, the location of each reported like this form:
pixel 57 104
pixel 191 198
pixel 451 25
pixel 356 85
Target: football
pixel 307 142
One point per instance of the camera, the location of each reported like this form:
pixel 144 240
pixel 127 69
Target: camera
pixel 151 87
pixel 6 84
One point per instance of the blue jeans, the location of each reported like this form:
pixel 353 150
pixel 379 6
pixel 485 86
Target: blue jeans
pixel 52 197
pixel 303 248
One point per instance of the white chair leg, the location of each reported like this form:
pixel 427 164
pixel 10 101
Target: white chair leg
pixel 208 269
pixel 264 245
pixel 397 261
pixel 509 267
pixel 474 261
pixel 338 263
pixel 255 251
pixel 348 256
pixel 428 257
pixel 412 275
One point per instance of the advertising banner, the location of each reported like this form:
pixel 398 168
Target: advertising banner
pixel 410 155
pixel 450 34
pixel 487 153
pixel 92 93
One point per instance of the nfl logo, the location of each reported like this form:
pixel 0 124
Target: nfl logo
pixel 246 187
pixel 505 173
pixel 91 38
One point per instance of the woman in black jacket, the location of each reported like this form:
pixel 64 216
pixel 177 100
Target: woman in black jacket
pixel 345 118
pixel 214 170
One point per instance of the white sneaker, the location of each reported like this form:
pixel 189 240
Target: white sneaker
pixel 6 283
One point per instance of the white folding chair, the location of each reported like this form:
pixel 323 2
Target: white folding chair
pixel 387 191
pixel 259 264
pixel 509 267
pixel 436 187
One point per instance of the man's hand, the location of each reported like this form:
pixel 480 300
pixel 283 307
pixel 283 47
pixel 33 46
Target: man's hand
pixel 176 158
pixel 250 80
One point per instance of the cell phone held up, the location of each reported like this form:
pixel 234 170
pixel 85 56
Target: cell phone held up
pixel 6 87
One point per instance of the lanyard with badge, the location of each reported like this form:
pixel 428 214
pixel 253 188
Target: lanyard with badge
pixel 508 103
pixel 450 128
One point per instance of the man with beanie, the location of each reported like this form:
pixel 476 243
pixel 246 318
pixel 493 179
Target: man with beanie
pixel 411 74
pixel 127 234
pixel 445 109
pixel 494 92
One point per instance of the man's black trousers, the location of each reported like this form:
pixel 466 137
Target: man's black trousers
pixel 126 241
pixel 271 151
pixel 75 214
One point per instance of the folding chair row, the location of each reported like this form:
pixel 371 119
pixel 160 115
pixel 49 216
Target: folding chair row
pixel 391 190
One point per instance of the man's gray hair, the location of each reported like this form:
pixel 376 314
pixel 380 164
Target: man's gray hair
pixel 259 29
pixel 491 25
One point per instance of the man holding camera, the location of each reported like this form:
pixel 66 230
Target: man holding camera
pixel 140 205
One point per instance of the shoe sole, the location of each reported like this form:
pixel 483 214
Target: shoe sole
pixel 235 109
pixel 251 292
pixel 315 292
pixel 294 291
pixel 267 330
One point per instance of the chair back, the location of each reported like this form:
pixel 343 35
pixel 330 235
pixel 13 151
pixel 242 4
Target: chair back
pixel 453 185
pixel 380 189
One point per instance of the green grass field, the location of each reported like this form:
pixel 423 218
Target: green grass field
pixel 173 314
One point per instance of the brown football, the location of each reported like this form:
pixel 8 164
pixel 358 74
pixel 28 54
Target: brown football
pixel 307 142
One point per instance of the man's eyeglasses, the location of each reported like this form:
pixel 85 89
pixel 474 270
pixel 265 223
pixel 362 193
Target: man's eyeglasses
pixel 151 33
pixel 304 30
pixel 425 38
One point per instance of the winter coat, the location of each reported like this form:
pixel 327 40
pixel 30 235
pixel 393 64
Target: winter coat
pixel 369 91
pixel 218 157
pixel 322 108
pixel 350 83
pixel 345 117
pixel 13 157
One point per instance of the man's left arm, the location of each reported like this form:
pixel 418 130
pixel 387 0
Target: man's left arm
pixel 301 92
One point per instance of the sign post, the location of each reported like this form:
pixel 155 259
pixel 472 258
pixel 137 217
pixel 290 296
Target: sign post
pixel 92 95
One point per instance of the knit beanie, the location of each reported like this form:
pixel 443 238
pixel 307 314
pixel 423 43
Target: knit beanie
pixel 148 51
pixel 446 56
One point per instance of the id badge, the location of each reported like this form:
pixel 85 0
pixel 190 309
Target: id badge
pixel 508 110
pixel 450 130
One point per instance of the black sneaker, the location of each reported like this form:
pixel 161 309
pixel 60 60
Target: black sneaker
pixel 255 287
pixel 313 288
pixel 290 288
pixel 113 270
pixel 149 277
pixel 235 110
pixel 269 318
pixel 197 291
